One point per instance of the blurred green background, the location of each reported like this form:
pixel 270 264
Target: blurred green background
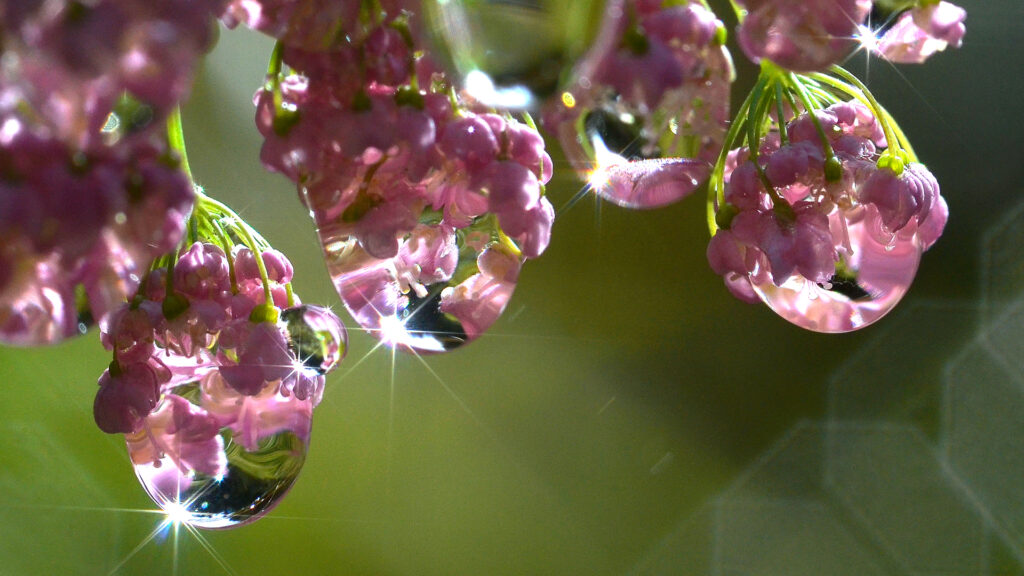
pixel 626 415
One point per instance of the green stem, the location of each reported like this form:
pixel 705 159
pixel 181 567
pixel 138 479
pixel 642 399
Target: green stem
pixel 176 139
pixel 740 12
pixel 895 156
pixel 809 105
pixel 781 114
pixel 226 245
pixel 716 188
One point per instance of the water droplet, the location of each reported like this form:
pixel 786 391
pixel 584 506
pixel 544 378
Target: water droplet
pixel 868 283
pixel 215 458
pixel 316 336
pixel 509 54
pixel 637 97
pixel 442 290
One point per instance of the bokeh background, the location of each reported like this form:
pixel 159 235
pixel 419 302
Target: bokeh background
pixel 626 415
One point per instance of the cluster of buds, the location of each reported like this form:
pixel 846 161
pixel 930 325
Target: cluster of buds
pixel 426 205
pixel 216 366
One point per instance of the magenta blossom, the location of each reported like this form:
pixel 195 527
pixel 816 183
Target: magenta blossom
pixel 125 397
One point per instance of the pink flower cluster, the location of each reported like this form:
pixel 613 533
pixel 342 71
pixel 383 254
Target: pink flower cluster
pixel 88 198
pixel 71 61
pixel 210 381
pixel 210 317
pixel 801 35
pixel 655 85
pixel 416 196
pixel 829 253
pixel 317 25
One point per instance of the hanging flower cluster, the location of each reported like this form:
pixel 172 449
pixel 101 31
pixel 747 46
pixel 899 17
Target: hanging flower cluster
pixel 426 205
pixel 824 213
pixel 89 191
pixel 823 217
pixel 217 368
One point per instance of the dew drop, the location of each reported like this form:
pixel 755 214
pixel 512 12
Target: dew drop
pixel 215 458
pixel 316 336
pixel 510 54
pixel 469 283
pixel 868 283
pixel 643 140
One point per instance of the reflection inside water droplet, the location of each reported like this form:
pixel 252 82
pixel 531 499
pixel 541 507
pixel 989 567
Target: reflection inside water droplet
pixel 621 134
pixel 316 337
pixel 868 283
pixel 218 458
pixel 423 319
pixel 443 289
pixel 510 54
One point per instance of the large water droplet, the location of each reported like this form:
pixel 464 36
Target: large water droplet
pixel 869 282
pixel 510 54
pixel 443 289
pixel 215 458
pixel 654 86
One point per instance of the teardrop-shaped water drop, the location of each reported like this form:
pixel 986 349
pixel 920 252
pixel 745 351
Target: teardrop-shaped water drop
pixel 316 336
pixel 215 458
pixel 655 85
pixel 442 290
pixel 510 54
pixel 869 281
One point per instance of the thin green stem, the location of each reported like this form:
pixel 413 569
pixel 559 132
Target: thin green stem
pixel 176 139
pixel 852 85
pixel 740 12
pixel 716 189
pixel 226 245
pixel 781 113
pixel 900 135
pixel 809 105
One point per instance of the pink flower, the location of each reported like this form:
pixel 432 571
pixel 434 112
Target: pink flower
pixel 900 198
pixel 803 246
pixel 201 273
pixel 428 256
pixel 125 397
pixel 479 300
pixel 923 31
pixel 279 268
pixel 471 141
pixel 130 334
pixel 262 353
